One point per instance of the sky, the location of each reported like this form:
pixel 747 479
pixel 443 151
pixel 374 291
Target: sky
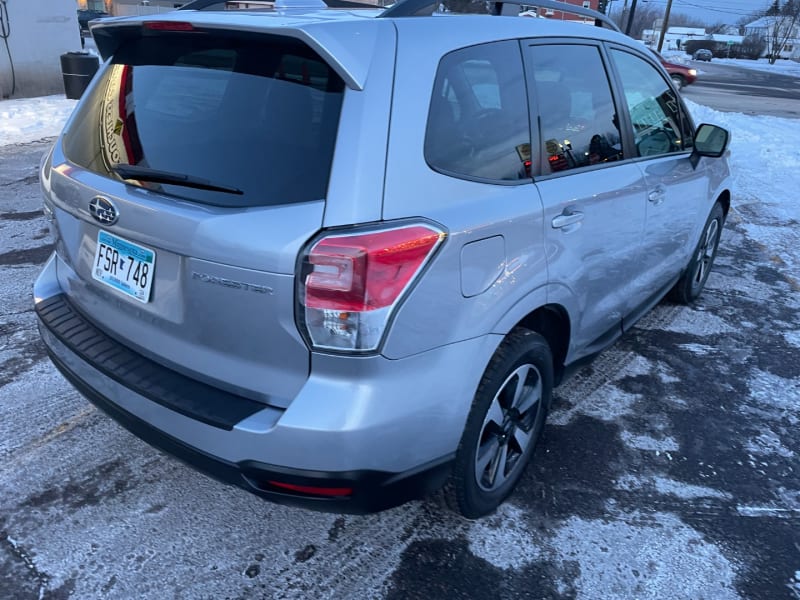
pixel 709 11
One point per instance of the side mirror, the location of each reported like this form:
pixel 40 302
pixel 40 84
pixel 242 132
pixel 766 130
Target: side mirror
pixel 709 140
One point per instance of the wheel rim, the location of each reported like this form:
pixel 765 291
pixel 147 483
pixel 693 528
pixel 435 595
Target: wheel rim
pixel 705 254
pixel 508 428
pixel 678 82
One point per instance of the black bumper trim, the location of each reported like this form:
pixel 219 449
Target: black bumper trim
pixel 147 378
pixel 372 490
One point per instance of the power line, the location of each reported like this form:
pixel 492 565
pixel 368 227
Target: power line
pixel 728 10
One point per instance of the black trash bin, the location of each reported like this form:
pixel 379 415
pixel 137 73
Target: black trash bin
pixel 78 68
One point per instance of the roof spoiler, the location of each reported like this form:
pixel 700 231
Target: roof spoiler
pixel 413 8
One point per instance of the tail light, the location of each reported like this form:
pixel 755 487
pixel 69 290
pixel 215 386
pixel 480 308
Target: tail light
pixel 350 284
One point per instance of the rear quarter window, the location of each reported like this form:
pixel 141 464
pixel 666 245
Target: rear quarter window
pixel 258 114
pixel 478 125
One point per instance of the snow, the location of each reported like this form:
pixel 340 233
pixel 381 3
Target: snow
pixel 772 144
pixel 31 119
pixel 765 166
pixel 605 553
pixel 781 67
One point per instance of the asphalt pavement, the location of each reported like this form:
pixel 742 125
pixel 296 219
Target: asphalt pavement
pixel 732 89
pixel 668 469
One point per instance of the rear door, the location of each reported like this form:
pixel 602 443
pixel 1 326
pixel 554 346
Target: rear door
pixel 191 174
pixel 593 199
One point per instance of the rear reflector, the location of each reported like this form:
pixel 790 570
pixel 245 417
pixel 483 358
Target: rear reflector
pixel 313 490
pixel 169 26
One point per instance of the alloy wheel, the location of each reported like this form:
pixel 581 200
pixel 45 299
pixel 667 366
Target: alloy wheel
pixel 507 429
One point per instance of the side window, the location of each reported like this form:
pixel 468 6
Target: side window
pixel 577 118
pixel 478 123
pixel 659 127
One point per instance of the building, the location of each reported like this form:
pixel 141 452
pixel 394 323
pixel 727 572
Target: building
pixel 533 10
pixel 675 37
pixel 127 8
pixel 99 5
pixel 770 27
pixel 40 31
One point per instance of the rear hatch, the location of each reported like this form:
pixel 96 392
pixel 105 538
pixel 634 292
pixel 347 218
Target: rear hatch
pixel 185 184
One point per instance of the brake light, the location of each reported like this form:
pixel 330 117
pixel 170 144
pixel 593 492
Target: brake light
pixel 353 282
pixel 168 26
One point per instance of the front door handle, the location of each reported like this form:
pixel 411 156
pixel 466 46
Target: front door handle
pixel 566 219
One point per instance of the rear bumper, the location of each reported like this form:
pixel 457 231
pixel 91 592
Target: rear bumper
pixel 378 432
pixel 372 491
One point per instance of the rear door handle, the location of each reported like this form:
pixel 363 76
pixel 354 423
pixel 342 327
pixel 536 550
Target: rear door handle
pixel 566 219
pixel 657 195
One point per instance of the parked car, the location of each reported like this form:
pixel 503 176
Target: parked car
pixel 261 270
pixel 85 16
pixel 681 75
pixel 703 54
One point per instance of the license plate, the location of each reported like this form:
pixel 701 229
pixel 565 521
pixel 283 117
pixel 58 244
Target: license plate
pixel 124 266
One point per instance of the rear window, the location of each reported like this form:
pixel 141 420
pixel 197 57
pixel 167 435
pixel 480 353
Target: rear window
pixel 256 116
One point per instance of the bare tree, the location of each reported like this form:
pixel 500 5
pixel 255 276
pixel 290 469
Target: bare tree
pixel 717 28
pixel 774 9
pixel 643 18
pixel 781 27
pixel 752 46
pixel 678 19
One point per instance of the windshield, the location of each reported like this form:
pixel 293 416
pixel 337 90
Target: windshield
pixel 257 115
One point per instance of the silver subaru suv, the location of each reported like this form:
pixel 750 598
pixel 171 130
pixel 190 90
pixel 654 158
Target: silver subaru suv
pixel 341 257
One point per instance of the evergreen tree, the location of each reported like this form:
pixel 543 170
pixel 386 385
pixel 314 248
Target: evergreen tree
pixel 774 10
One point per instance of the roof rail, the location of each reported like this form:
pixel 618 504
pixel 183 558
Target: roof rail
pixel 414 8
pixel 220 4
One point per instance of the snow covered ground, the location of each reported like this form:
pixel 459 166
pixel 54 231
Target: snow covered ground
pixel 765 163
pixel 30 119
pixel 782 67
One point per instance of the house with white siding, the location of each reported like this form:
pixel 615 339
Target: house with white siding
pixel 769 27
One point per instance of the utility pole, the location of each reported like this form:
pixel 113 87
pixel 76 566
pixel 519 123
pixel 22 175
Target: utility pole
pixel 664 25
pixel 630 17
pixel 623 15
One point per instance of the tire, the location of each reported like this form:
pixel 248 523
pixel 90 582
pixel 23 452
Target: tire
pixel 693 280
pixel 503 426
pixel 678 81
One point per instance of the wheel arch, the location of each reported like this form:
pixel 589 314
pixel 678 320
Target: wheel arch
pixel 552 322
pixel 725 201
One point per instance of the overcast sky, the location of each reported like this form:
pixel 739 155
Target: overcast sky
pixel 709 11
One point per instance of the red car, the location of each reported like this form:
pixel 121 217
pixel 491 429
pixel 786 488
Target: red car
pixel 681 74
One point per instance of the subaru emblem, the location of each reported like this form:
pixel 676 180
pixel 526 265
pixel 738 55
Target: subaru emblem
pixel 103 210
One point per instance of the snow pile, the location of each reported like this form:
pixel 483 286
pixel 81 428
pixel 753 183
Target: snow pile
pixel 765 157
pixel 30 119
pixel 781 67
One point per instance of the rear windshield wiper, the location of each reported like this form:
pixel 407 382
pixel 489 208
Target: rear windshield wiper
pixel 156 176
